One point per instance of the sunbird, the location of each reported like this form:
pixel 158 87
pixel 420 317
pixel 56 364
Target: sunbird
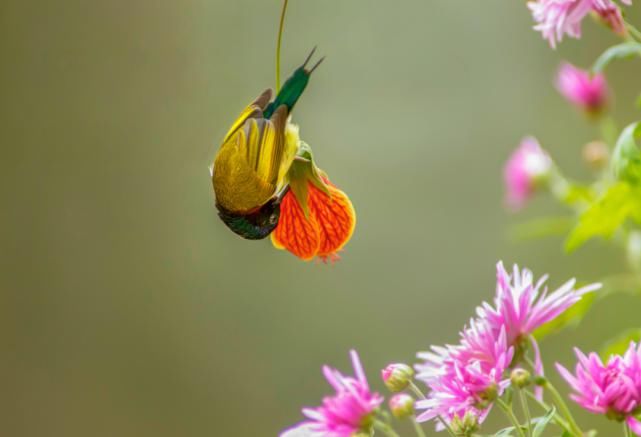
pixel 250 171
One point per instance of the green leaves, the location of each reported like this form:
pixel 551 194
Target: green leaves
pixel 626 158
pixel 621 201
pixel 540 423
pixel 604 217
pixel 620 51
pixel 543 423
pixel 619 344
pixel 570 318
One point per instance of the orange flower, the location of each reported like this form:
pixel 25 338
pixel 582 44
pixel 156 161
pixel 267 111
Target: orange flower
pixel 319 226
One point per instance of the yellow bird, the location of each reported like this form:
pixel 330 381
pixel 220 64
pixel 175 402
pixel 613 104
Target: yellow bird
pixel 249 173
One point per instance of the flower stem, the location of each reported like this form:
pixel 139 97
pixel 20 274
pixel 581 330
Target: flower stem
pixel 417 427
pixel 510 415
pixel 633 31
pixel 557 417
pixel 609 130
pixel 385 429
pixel 626 430
pixel 278 43
pixel 417 391
pixel 526 412
pixel 558 399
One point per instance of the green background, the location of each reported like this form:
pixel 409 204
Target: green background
pixel 128 309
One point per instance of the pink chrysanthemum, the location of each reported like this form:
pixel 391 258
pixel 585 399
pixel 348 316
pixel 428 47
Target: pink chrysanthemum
pixel 611 14
pixel 612 389
pixel 527 165
pixel 556 18
pixel 585 90
pixel 521 306
pixel 345 413
pixel 464 379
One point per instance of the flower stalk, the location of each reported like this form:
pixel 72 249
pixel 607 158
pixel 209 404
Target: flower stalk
pixel 509 413
pixel 526 411
pixel 281 26
pixel 558 400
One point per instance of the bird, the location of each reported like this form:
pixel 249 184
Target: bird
pixel 249 172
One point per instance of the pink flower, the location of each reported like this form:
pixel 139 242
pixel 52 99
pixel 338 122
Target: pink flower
pixel 588 92
pixel 521 306
pixel 611 15
pixel 346 412
pixel 556 18
pixel 467 378
pixel 613 389
pixel 528 165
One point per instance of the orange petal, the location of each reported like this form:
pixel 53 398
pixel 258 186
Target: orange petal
pixel 336 219
pixel 294 232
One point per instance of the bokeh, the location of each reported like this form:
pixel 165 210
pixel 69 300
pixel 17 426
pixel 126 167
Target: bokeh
pixel 128 309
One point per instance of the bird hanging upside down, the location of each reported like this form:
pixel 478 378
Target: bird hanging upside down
pixel 265 179
pixel 250 169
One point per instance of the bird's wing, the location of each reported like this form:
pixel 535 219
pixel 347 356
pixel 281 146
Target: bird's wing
pixel 237 185
pixel 268 151
pixel 253 110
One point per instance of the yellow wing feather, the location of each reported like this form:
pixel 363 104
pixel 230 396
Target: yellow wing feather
pixel 251 165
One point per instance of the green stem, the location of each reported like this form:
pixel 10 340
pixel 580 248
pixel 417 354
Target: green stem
pixel 417 391
pixel 510 415
pixel 417 427
pixel 633 31
pixel 558 399
pixel 557 417
pixel 609 131
pixel 447 426
pixel 279 42
pixel 626 430
pixel 385 428
pixel 526 412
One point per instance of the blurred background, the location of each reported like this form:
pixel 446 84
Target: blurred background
pixel 128 309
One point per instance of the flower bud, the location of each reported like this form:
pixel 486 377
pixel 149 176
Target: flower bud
pixel 520 378
pixel 466 426
pixel 488 396
pixel 540 380
pixel 397 376
pixel 581 88
pixel 528 168
pixel 596 154
pixel 402 405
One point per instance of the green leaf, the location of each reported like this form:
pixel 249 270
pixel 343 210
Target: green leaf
pixel 507 432
pixel 605 216
pixel 626 157
pixel 620 51
pixel 619 344
pixel 570 318
pixel 543 423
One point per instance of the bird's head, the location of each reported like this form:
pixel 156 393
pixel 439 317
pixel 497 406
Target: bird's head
pixel 255 225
